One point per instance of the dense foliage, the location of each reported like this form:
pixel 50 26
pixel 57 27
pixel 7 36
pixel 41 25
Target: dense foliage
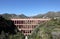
pixel 8 30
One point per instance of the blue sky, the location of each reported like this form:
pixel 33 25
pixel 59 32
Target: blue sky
pixel 28 7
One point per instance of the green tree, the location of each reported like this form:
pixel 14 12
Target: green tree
pixel 8 30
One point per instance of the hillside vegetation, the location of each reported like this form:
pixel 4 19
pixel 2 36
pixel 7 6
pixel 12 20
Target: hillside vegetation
pixel 48 30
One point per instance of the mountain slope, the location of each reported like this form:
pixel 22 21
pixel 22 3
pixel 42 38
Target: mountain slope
pixel 9 16
pixel 48 14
